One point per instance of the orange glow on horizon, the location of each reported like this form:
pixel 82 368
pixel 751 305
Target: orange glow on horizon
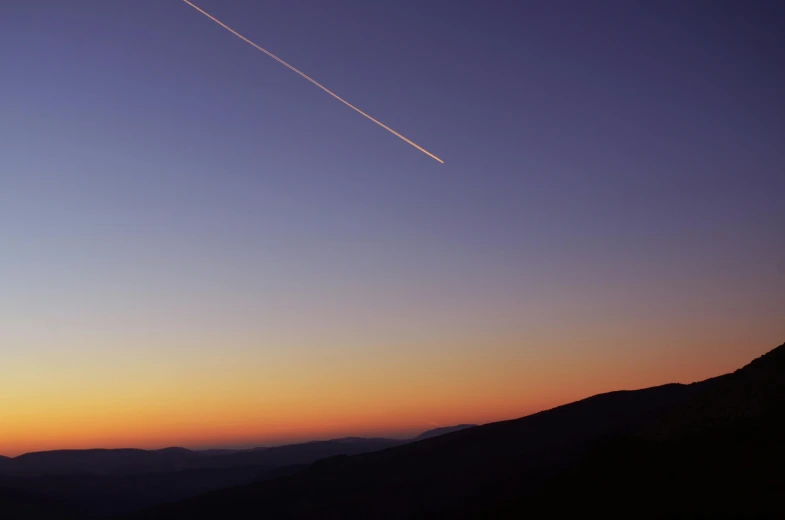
pixel 244 411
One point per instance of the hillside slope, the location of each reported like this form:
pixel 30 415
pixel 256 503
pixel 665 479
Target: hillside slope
pixel 457 473
pixel 707 447
pixel 722 453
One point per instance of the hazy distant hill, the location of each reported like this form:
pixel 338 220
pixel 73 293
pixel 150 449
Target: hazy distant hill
pixel 707 447
pixel 441 431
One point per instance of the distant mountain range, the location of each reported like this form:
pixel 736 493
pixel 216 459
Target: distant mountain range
pixel 713 448
pixel 111 481
pixel 135 461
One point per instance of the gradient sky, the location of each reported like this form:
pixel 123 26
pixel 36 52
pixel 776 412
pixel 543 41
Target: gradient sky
pixel 199 248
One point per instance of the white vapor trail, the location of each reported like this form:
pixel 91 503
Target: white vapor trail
pixel 333 94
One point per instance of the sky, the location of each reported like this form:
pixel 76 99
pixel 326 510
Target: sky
pixel 199 248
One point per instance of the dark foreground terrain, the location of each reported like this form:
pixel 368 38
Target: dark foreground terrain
pixel 710 449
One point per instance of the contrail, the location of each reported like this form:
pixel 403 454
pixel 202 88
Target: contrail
pixel 333 94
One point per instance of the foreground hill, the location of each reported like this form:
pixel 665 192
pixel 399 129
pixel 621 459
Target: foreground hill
pixel 707 447
pixel 722 453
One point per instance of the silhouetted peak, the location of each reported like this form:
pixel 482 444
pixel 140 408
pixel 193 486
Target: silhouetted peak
pixel 749 393
pixel 773 359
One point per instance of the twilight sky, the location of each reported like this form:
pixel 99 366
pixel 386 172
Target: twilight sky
pixel 199 248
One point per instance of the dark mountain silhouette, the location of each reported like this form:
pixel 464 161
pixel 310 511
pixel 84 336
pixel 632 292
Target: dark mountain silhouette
pixel 134 461
pixel 101 462
pixel 441 431
pixel 110 482
pixel 704 448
